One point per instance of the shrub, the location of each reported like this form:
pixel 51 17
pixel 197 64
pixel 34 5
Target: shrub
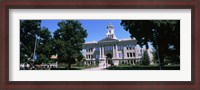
pixel 145 58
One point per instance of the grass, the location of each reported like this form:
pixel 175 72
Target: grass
pixel 83 67
pixel 73 67
pixel 137 67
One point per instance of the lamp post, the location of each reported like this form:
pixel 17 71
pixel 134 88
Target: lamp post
pixel 35 47
pixel 155 34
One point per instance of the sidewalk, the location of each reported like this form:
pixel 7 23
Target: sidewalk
pixel 95 68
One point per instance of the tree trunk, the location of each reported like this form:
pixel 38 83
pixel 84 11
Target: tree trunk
pixel 161 61
pixel 69 66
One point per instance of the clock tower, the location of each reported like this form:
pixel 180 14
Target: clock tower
pixel 110 32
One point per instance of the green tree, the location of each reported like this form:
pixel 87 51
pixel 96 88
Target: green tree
pixel 155 57
pixel 145 60
pixel 68 41
pixel 28 30
pixel 164 35
pixel 44 46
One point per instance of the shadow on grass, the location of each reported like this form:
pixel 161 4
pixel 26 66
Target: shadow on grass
pixel 143 68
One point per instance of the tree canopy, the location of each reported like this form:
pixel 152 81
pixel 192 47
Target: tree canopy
pixel 30 30
pixel 44 46
pixel 68 40
pixel 163 34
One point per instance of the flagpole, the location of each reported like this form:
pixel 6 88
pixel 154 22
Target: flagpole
pixel 35 47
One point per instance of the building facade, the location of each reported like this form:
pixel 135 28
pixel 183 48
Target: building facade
pixel 112 51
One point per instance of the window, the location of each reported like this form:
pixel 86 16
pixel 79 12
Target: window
pixel 97 56
pixel 119 47
pixel 127 54
pixel 129 46
pixel 131 55
pixel 89 49
pixel 97 49
pixel 132 46
pixel 120 54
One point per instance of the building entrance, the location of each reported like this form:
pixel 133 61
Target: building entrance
pixel 109 59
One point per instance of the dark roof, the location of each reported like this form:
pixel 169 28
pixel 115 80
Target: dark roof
pixel 108 40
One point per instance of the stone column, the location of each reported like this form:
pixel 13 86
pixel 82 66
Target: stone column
pixel 113 51
pixel 100 56
pixel 125 54
pixel 116 51
pixel 102 52
pixel 91 57
pixel 84 62
pixel 122 52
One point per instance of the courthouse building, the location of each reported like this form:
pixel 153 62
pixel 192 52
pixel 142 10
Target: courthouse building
pixel 120 51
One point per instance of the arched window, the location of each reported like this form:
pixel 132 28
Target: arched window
pixel 127 54
pixel 131 55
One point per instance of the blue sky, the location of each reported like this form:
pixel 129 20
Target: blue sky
pixel 96 29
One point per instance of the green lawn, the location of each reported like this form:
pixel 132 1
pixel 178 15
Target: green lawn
pixel 151 67
pixel 73 67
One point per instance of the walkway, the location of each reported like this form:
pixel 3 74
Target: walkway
pixel 96 68
pixel 101 66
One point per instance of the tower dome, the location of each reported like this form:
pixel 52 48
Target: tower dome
pixel 110 31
